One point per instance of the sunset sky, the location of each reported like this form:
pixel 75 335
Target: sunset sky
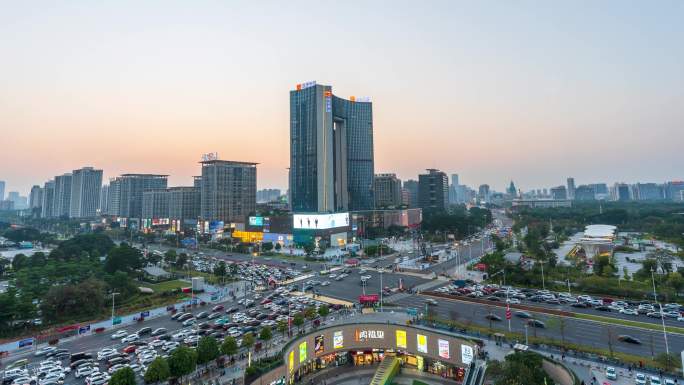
pixel 533 91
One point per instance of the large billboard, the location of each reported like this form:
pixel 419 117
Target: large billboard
pixel 320 221
pixel 256 221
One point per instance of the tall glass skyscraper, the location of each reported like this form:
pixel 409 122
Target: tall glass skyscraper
pixel 331 151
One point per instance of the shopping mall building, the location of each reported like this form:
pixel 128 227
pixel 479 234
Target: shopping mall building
pixel 363 344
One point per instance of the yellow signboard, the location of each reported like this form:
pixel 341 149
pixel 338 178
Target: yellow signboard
pixel 401 339
pixel 291 362
pixel 421 343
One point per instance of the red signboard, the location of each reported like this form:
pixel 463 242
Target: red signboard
pixel 369 298
pixel 67 328
pixel 481 266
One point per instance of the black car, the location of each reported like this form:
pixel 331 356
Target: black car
pixel 535 323
pixel 81 356
pixel 55 353
pixel 493 317
pixel 629 339
pixel 582 305
pixel 493 298
pixel 203 314
pixel 164 337
pixel 176 316
pixel 523 314
pixel 602 308
pixel 145 330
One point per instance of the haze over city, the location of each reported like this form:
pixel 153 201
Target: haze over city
pixel 528 91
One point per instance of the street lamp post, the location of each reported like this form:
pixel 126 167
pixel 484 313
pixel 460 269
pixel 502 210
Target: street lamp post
pixel 526 340
pixel 662 316
pixel 380 271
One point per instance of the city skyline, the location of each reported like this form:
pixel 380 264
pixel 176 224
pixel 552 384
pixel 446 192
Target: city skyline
pixel 515 88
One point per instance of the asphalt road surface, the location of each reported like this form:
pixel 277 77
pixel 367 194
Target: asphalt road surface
pixel 581 332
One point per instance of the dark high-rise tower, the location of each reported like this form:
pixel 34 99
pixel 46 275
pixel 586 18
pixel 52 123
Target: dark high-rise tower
pixel 331 151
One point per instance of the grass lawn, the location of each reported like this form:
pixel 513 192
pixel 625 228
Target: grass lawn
pixel 165 286
pixel 636 324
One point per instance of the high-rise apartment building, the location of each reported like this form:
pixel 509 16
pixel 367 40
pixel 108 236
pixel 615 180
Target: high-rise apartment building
pixel 126 193
pixel 228 190
pixel 19 202
pixel 36 197
pixel 673 190
pixel 184 203
pixel 411 187
pixel 2 190
pixel 331 151
pixel 585 193
pixel 648 192
pixel 433 191
pixel 483 193
pixel 86 185
pixel 571 188
pixel 559 193
pixel 268 195
pixel 62 196
pixel 47 210
pixel 621 192
pixel 104 200
pixel 387 190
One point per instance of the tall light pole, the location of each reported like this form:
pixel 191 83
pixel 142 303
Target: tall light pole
pixel 380 271
pixel 113 294
pixel 662 316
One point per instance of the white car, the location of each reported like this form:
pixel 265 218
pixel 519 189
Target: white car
pixel 639 379
pixel 119 334
pixel 115 368
pixel 513 301
pixel 22 380
pixel 157 343
pixel 51 379
pixel 85 371
pixel 655 380
pixel 130 338
pixel 105 353
pixel 611 374
pixel 169 346
pixel 44 350
pixel 628 311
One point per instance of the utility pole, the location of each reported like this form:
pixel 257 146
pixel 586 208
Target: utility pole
pixel 113 294
pixel 381 271
pixel 662 316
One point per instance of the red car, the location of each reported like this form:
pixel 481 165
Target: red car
pixel 265 301
pixel 129 349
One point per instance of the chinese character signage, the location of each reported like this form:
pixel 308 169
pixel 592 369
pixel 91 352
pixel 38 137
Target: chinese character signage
pixel 318 344
pixel 302 352
pixel 443 346
pixel 401 339
pixel 467 354
pixel 421 343
pixel 363 335
pixel 338 340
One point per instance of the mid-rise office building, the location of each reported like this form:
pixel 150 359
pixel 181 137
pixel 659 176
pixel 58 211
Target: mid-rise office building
pixel 559 193
pixel 36 197
pixel 571 188
pixel 648 192
pixel 585 193
pixel 331 151
pixel 387 190
pixel 433 191
pixel 411 187
pixel 126 193
pixel 184 203
pixel 20 201
pixel 155 204
pixel 86 185
pixel 673 189
pixel 600 191
pixel 621 192
pixel 483 193
pixel 6 205
pixel 228 191
pixel 62 196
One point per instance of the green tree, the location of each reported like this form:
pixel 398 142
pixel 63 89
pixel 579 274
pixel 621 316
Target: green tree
pixel 520 368
pixel 308 248
pixel 267 246
pixel 310 312
pixel 323 311
pixel 158 371
pixel 123 376
pixel 248 340
pixel 181 260
pixel 229 346
pixel 220 270
pixel 281 326
pixel 19 262
pixel 298 320
pixel 266 334
pixel 207 349
pixel 182 361
pixel 278 247
pixel 668 362
pixel 170 257
pixel 123 258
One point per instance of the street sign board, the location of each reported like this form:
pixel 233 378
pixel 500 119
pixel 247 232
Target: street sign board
pixel 116 320
pixel 146 313
pixel 412 311
pixel 84 329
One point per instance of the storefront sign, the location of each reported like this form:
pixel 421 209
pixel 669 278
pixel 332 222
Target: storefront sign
pixel 443 346
pixel 401 339
pixel 362 335
pixel 318 344
pixel 338 340
pixel 421 343
pixel 302 352
pixel 467 354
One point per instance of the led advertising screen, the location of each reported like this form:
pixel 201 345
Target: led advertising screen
pixel 443 346
pixel 256 221
pixel 319 347
pixel 320 221
pixel 302 352
pixel 338 340
pixel 421 343
pixel 401 339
